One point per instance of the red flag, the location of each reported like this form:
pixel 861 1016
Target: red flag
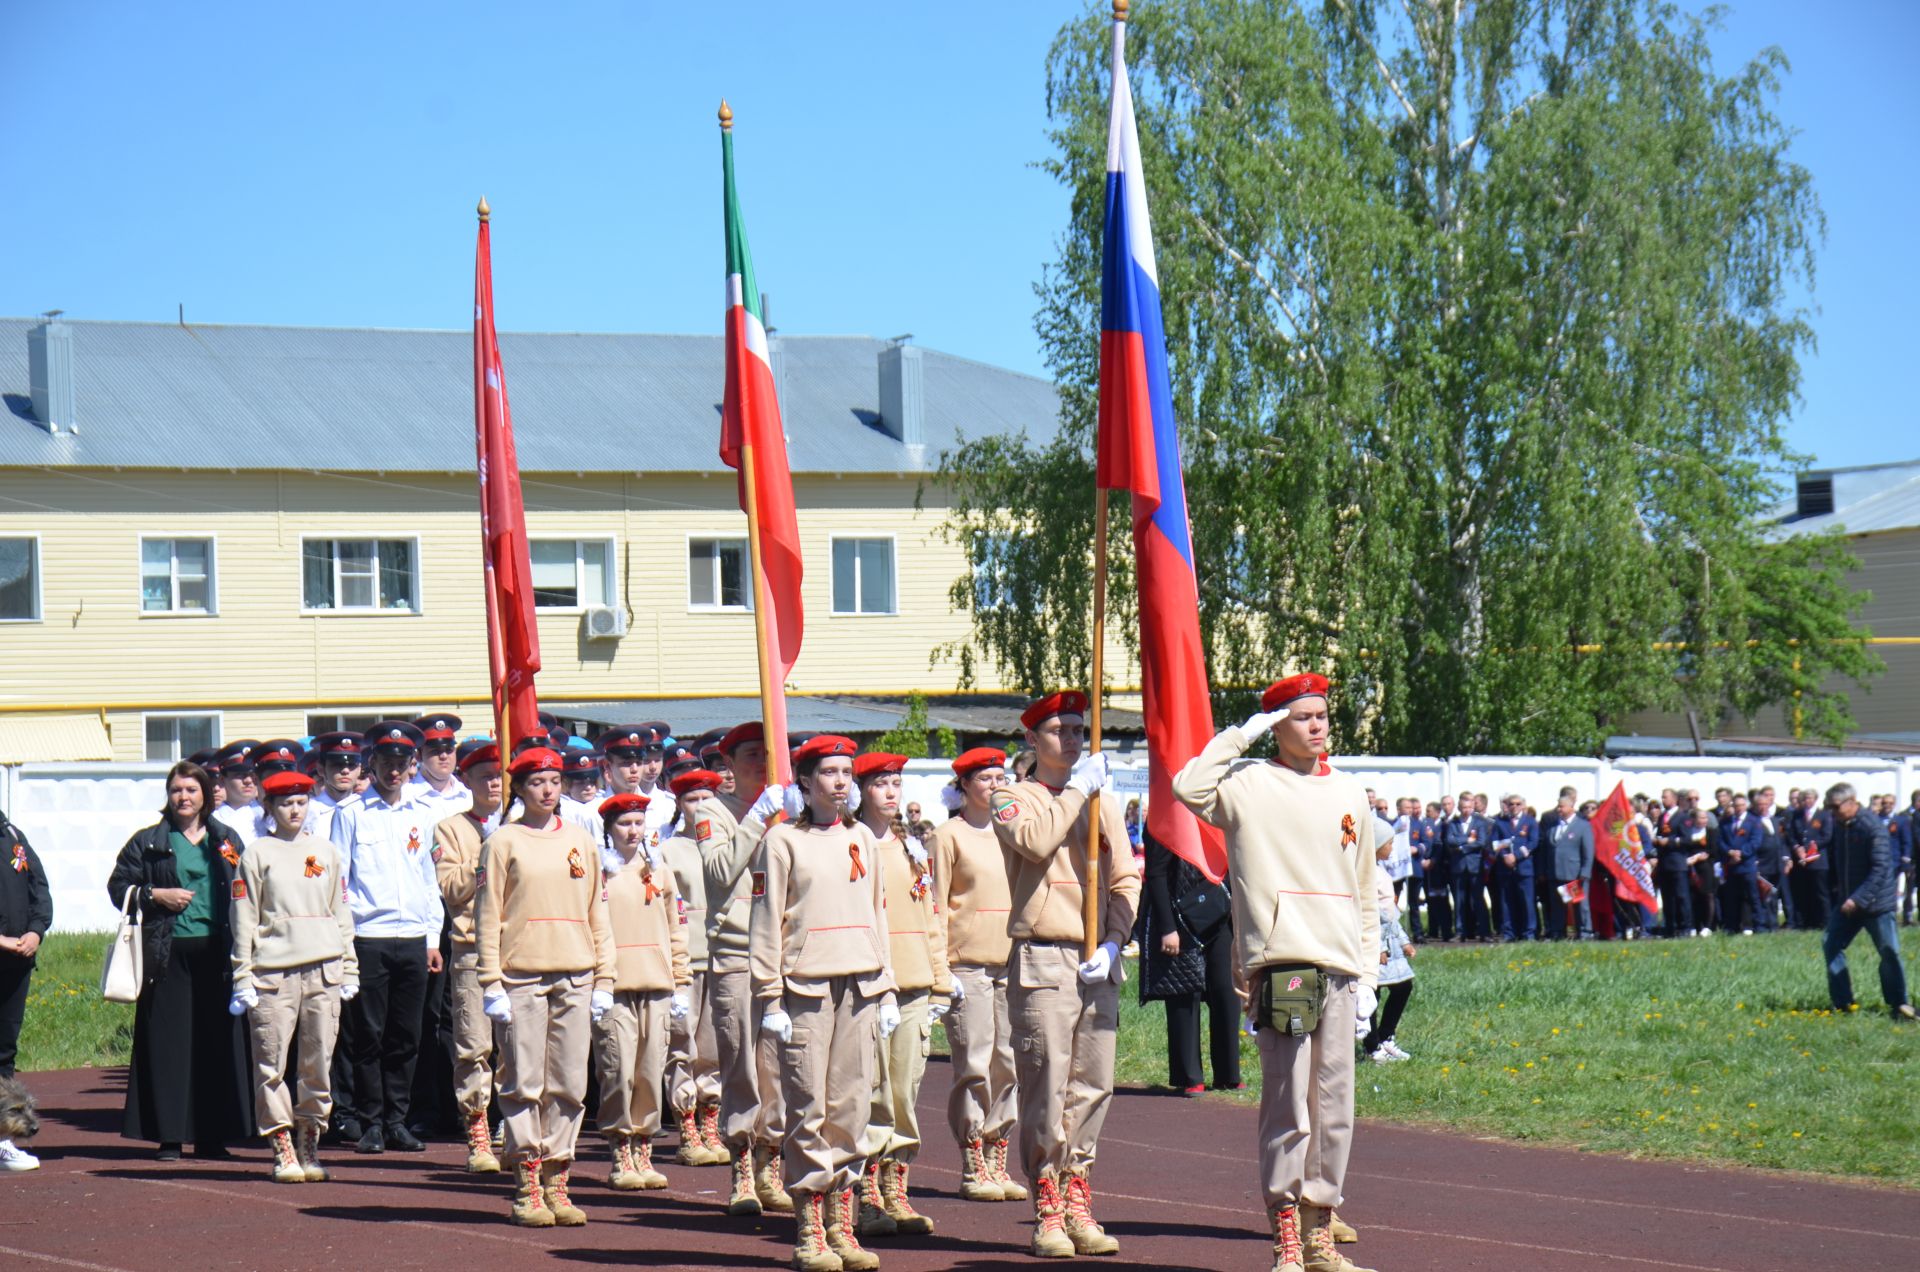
pixel 1617 846
pixel 513 638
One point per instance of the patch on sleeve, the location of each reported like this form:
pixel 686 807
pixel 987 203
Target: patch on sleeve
pixel 1005 808
pixel 759 883
pixel 703 828
pixel 239 890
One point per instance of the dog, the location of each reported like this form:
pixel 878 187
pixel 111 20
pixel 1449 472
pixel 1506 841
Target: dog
pixel 19 1119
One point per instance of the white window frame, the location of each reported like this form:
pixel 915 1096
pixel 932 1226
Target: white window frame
pixel 213 575
pixel 377 713
pixel 377 611
pixel 39 563
pixel 893 557
pixel 747 574
pixel 219 719
pixel 609 589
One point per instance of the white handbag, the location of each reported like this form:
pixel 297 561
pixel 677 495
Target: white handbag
pixel 121 978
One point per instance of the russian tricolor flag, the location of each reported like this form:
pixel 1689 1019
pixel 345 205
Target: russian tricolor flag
pixel 1139 452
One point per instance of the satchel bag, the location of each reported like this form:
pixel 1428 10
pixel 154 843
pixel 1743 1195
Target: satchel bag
pixel 121 978
pixel 1290 999
pixel 1203 907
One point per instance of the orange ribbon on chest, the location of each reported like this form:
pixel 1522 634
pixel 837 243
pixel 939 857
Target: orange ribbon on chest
pixel 859 870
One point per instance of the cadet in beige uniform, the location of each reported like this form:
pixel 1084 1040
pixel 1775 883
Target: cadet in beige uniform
pixel 1300 855
pixel 752 1112
pixel 649 990
pixel 546 966
pixel 1065 1012
pixel 972 901
pixel 293 963
pixel 459 845
pixel 823 981
pixel 922 991
pixel 693 1082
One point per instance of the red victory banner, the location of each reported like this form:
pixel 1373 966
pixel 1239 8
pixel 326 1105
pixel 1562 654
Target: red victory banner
pixel 1617 846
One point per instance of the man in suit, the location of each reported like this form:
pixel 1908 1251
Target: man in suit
pixel 1770 859
pixel 1566 858
pixel 1436 881
pixel 1464 839
pixel 1807 878
pixel 1516 835
pixel 1743 840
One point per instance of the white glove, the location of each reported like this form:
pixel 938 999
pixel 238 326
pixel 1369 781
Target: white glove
pixel 600 1004
pixel 1090 774
pixel 1261 721
pixel 959 990
pixel 936 1010
pixel 349 991
pixel 889 1018
pixel 1366 1001
pixel 793 801
pixel 853 798
pixel 951 798
pixel 242 999
pixel 1100 966
pixel 778 1023
pixel 768 804
pixel 677 1006
pixel 495 1004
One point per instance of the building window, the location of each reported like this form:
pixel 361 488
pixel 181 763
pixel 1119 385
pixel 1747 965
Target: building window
pixel 993 572
pixel 19 580
pixel 170 737
pixel 319 722
pixel 863 576
pixel 360 575
pixel 571 573
pixel 717 575
pixel 176 576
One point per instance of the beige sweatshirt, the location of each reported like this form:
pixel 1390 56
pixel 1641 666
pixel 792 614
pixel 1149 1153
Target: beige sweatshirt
pixel 971 892
pixel 290 909
pixel 819 911
pixel 682 856
pixel 541 907
pixel 729 846
pixel 1044 833
pixel 1299 859
pixel 649 945
pixel 917 945
pixel 458 848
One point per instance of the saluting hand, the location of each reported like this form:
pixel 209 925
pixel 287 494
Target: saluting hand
pixel 1263 721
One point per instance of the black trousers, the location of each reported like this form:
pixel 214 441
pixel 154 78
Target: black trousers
pixel 382 1037
pixel 190 1076
pixel 1740 901
pixel 1809 898
pixel 1386 1018
pixel 1676 902
pixel 1553 911
pixel 15 975
pixel 1223 1021
pixel 434 1108
pixel 1439 908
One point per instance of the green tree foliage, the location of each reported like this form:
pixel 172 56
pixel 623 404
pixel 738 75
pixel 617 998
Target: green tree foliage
pixel 1483 320
pixel 909 737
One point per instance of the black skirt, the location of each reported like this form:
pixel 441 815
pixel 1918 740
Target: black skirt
pixel 186 1083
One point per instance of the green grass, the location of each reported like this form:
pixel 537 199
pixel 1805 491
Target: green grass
pixel 1719 1050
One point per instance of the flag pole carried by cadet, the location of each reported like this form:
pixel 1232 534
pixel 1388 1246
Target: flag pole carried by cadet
pixel 513 637
pixel 753 443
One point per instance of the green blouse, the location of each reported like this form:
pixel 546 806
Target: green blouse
pixel 206 913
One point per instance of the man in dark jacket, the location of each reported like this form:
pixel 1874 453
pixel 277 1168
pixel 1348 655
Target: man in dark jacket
pixel 1807 876
pixel 1516 835
pixel 1464 836
pixel 26 912
pixel 1566 857
pixel 1860 888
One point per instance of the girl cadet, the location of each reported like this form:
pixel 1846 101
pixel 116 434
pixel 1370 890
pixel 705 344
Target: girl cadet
pixel 293 965
pixel 972 898
pixel 922 991
pixel 546 966
pixel 823 982
pixel 459 843
pixel 649 990
pixel 693 1067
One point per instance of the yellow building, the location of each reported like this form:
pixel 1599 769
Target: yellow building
pixel 210 533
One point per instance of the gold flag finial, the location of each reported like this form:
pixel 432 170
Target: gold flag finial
pixel 1119 10
pixel 483 209
pixel 726 116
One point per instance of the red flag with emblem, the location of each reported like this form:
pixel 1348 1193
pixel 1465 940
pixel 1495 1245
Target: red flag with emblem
pixel 1617 846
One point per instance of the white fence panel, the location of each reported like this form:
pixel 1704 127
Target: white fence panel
pixel 1703 773
pixel 78 817
pixel 1394 777
pixel 1537 777
pixel 1869 776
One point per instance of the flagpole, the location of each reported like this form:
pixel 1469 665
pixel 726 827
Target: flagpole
pixel 776 749
pixel 1090 895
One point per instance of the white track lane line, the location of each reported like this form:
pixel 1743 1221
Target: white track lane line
pixel 59 1262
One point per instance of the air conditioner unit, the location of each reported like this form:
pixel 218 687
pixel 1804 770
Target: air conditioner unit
pixel 605 622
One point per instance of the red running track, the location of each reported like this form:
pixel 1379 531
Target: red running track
pixel 1175 1184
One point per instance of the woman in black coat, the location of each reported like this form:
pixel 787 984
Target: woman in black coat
pixel 1184 967
pixel 188 1052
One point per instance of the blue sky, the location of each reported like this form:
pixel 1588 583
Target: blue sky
pixel 319 165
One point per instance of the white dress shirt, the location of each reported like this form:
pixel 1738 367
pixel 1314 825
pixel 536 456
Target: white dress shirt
pixel 320 812
pixel 387 850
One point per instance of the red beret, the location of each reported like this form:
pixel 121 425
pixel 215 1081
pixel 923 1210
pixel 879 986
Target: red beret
pixel 485 753
pixel 823 746
pixel 631 802
pixel 538 759
pixel 1281 692
pixel 751 731
pixel 287 782
pixel 1066 702
pixel 875 763
pixel 981 757
pixel 696 780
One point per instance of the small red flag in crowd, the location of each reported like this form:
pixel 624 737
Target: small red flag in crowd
pixel 1617 846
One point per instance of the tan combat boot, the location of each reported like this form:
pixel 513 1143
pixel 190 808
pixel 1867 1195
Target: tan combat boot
pixel 893 1193
pixel 843 1236
pixel 766 1182
pixel 480 1158
pixel 1083 1229
pixel 553 1184
pixel 997 1158
pixel 810 1252
pixel 693 1145
pixel 621 1175
pixel 529 1202
pixel 640 1156
pixel 977 1181
pixel 1317 1237
pixel 874 1219
pixel 707 1123
pixel 744 1200
pixel 1343 1233
pixel 1287 1254
pixel 1050 1239
pixel 306 1142
pixel 286 1160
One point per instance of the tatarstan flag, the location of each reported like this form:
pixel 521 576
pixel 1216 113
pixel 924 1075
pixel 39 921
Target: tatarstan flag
pixel 752 442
